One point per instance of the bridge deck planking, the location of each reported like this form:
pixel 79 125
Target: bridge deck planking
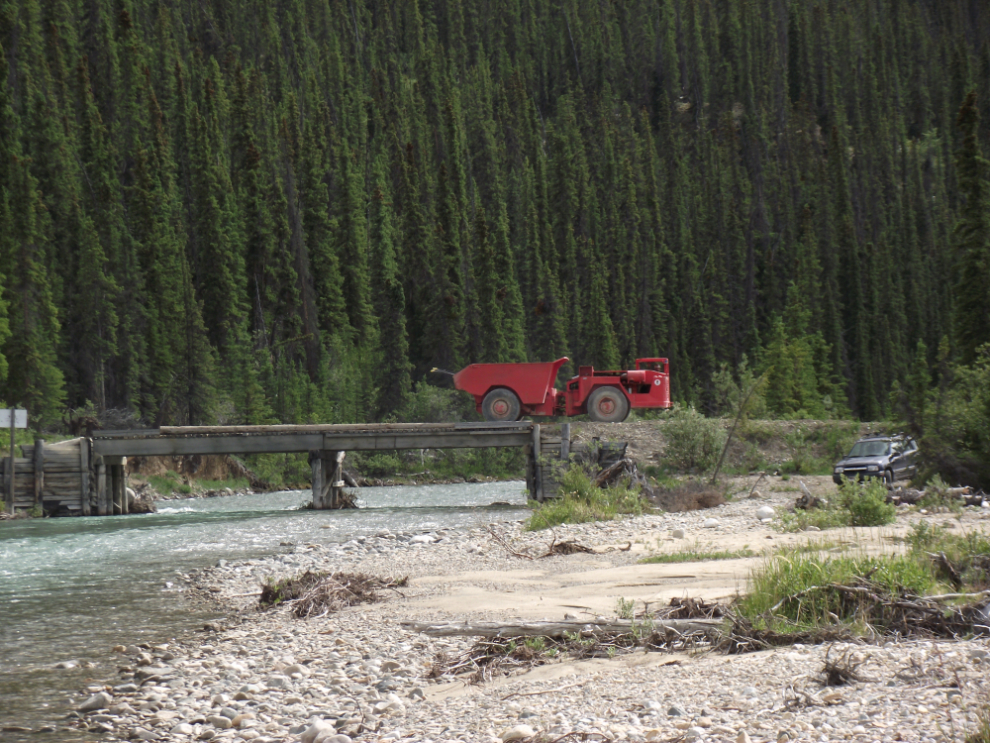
pixel 169 441
pixel 288 443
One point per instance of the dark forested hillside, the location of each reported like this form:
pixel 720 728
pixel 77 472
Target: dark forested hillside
pixel 291 210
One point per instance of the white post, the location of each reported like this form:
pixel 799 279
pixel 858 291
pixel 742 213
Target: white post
pixel 10 466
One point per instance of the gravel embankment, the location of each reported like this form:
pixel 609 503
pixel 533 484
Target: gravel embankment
pixel 358 676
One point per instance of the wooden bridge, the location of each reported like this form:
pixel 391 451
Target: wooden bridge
pixel 96 482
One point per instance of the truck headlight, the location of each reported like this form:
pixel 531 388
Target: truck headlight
pixel 872 468
pixel 839 470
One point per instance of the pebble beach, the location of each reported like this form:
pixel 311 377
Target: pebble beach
pixel 358 675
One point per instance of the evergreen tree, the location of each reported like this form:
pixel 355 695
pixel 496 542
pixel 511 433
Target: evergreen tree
pixel 492 343
pixel 971 317
pixel 33 378
pixel 394 380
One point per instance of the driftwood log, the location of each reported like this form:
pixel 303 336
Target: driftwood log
pixel 911 496
pixel 557 629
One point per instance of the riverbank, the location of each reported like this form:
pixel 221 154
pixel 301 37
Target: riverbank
pixel 263 675
pixel 360 482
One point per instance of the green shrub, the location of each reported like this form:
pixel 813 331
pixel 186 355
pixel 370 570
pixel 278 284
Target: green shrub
pixel 857 504
pixel 938 498
pixel 581 501
pixel 429 404
pixel 867 503
pixel 442 464
pixel 381 465
pixel 729 394
pixel 694 442
pixel 828 517
pixel 282 470
pixel 814 449
pixel 837 439
pixel 756 432
pixel 165 484
pixel 625 608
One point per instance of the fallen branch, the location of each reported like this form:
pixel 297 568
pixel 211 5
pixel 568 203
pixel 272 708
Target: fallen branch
pixel 611 472
pixel 544 691
pixel 506 546
pixel 869 593
pixel 842 671
pixel 942 561
pixel 584 736
pixel 735 422
pixel 758 481
pixel 566 548
pixel 955 596
pixel 556 629
pixel 794 596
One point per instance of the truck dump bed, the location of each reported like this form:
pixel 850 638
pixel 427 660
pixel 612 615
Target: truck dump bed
pixel 532 383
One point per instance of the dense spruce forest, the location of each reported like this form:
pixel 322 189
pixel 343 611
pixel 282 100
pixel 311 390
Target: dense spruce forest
pixel 292 210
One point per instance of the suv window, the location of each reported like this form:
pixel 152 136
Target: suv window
pixel 869 449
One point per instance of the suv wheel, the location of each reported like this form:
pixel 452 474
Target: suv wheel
pixel 888 477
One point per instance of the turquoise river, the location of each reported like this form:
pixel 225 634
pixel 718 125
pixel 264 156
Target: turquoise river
pixel 72 588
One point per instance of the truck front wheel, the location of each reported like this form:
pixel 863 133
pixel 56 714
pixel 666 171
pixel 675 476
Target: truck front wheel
pixel 501 404
pixel 607 405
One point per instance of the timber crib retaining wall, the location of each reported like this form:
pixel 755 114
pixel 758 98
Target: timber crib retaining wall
pixel 55 477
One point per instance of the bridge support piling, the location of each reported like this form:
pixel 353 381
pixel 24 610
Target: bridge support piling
pixel 101 487
pixel 334 466
pixel 327 469
pixel 117 482
pixel 316 463
pixel 83 476
pixel 125 504
pixel 535 453
pixel 114 496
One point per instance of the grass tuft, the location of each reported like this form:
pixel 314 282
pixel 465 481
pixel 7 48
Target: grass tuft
pixel 581 501
pixel 795 590
pixel 982 732
pixel 785 582
pixel 698 554
pixel 968 555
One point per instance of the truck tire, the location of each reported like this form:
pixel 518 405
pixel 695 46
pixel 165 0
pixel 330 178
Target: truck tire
pixel 607 405
pixel 501 404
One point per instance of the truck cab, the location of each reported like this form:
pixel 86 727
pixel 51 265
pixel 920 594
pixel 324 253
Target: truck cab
pixel 608 396
pixel 651 379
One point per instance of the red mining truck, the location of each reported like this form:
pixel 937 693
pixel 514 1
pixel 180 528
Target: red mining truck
pixel 507 392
